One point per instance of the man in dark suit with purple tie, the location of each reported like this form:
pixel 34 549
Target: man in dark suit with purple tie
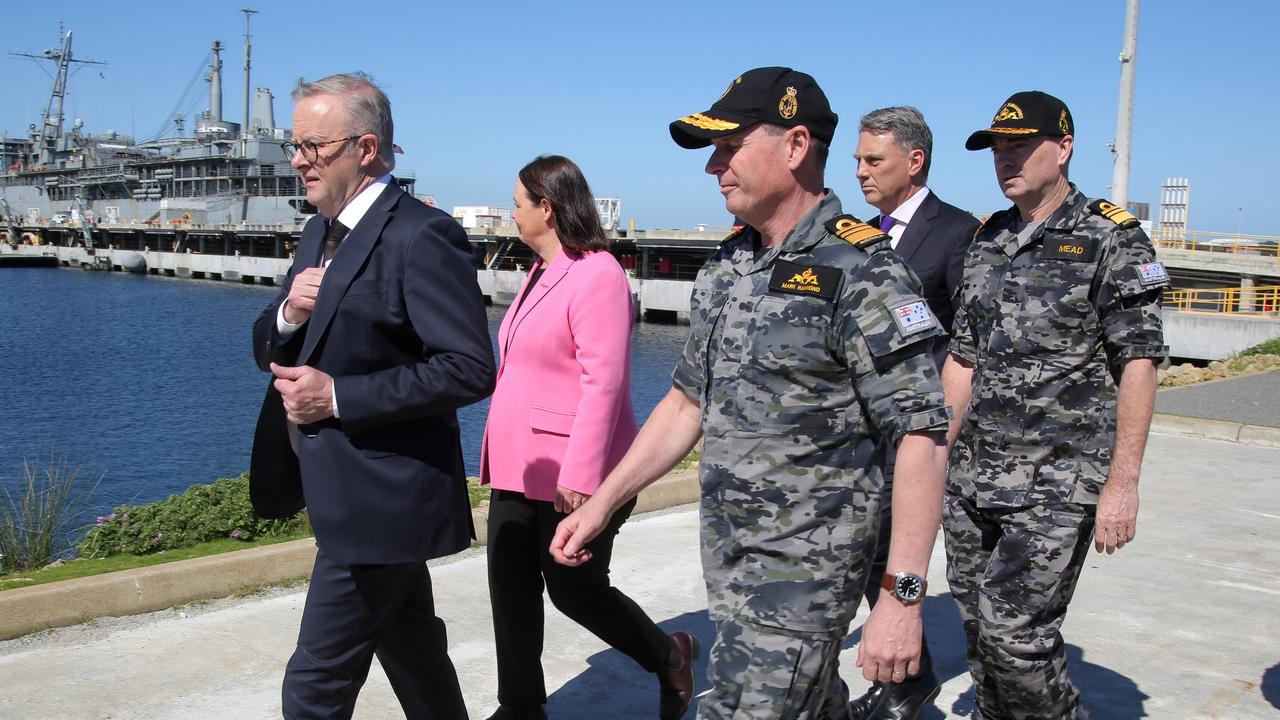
pixel 377 337
pixel 895 147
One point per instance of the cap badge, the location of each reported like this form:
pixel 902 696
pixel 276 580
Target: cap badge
pixel 726 90
pixel 788 106
pixel 1062 123
pixel 1010 111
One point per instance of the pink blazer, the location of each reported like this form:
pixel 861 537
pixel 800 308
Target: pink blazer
pixel 561 413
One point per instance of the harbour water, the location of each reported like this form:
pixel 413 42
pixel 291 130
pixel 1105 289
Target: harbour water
pixel 150 381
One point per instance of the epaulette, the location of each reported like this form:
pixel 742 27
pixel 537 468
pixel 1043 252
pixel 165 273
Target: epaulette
pixel 1114 213
pixel 855 232
pixel 737 231
pixel 993 216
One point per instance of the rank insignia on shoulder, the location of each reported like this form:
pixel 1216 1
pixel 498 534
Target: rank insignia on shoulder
pixel 737 232
pixel 1114 213
pixel 1152 274
pixel 991 219
pixel 854 231
pixel 811 280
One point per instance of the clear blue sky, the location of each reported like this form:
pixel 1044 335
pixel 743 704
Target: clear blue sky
pixel 481 87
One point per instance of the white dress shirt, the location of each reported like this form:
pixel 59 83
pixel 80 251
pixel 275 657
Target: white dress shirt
pixel 903 214
pixel 350 216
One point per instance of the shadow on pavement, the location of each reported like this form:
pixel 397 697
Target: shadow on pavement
pixel 1108 694
pixel 1270 685
pixel 614 687
pixel 945 634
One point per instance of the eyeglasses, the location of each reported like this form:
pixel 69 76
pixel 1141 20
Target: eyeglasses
pixel 311 150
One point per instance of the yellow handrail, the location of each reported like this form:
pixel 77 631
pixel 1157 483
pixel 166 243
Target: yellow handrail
pixel 1233 300
pixel 1264 245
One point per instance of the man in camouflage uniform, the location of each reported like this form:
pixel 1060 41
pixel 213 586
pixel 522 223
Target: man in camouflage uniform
pixel 1052 378
pixel 809 342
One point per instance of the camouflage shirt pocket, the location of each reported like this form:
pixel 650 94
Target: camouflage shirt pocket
pixel 788 380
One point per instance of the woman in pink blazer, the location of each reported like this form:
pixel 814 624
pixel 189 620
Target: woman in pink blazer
pixel 560 419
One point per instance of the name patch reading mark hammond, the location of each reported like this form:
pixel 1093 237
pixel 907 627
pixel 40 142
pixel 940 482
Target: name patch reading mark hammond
pixel 811 280
pixel 1079 249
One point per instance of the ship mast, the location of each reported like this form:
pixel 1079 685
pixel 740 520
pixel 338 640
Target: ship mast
pixel 51 128
pixel 215 83
pixel 248 50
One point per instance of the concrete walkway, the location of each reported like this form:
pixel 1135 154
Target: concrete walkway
pixel 1247 399
pixel 1180 624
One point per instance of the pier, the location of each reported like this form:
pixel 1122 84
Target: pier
pixel 1225 296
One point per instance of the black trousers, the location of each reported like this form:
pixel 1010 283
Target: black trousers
pixel 520 565
pixel 354 612
pixel 881 559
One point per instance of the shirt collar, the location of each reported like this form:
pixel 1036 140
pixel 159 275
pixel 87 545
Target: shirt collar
pixel 903 213
pixel 360 204
pixel 803 235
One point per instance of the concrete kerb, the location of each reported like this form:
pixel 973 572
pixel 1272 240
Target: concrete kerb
pixel 1215 429
pixel 129 592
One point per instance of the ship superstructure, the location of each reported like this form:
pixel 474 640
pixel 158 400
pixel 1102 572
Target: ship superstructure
pixel 224 173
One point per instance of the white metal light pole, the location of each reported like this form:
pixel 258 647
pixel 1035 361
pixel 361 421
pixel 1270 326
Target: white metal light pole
pixel 1124 118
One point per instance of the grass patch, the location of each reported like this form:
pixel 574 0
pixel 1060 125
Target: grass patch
pixel 478 494
pixel 691 460
pixel 39 511
pixel 86 567
pixel 89 566
pixel 1270 347
pixel 256 588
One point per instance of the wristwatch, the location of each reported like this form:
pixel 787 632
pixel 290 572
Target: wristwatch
pixel 909 588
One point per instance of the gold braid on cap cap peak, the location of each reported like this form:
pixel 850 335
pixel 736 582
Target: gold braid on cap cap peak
pixel 705 122
pixel 1013 131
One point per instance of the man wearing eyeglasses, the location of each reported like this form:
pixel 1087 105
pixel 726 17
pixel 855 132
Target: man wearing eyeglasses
pixel 377 337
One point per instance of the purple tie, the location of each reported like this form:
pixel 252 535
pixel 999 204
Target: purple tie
pixel 886 222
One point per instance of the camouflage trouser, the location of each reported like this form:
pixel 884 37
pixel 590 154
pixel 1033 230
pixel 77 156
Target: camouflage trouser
pixel 1012 572
pixel 759 673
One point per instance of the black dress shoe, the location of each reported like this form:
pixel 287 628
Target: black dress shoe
pixel 861 708
pixel 905 700
pixel 520 712
pixel 677 682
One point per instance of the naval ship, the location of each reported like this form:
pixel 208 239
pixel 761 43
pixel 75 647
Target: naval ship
pixel 224 174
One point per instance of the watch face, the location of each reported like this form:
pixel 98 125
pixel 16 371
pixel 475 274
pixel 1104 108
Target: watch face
pixel 909 588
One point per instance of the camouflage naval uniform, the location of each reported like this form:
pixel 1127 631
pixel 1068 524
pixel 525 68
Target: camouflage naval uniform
pixel 1048 315
pixel 799 366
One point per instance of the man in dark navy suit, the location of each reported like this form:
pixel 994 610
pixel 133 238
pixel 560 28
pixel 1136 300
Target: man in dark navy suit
pixel 377 337
pixel 895 148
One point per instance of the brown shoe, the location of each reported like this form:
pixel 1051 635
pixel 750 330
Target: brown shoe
pixel 677 682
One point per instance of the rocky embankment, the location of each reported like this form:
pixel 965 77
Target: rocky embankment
pixel 1188 374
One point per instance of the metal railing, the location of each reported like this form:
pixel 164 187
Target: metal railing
pixel 1201 241
pixel 1229 300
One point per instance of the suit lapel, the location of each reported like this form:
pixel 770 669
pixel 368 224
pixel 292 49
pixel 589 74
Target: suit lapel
pixel 346 263
pixel 311 244
pixel 918 229
pixel 554 273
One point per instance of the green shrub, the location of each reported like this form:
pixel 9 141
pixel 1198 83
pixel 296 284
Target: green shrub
pixel 1270 347
pixel 40 512
pixel 204 512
